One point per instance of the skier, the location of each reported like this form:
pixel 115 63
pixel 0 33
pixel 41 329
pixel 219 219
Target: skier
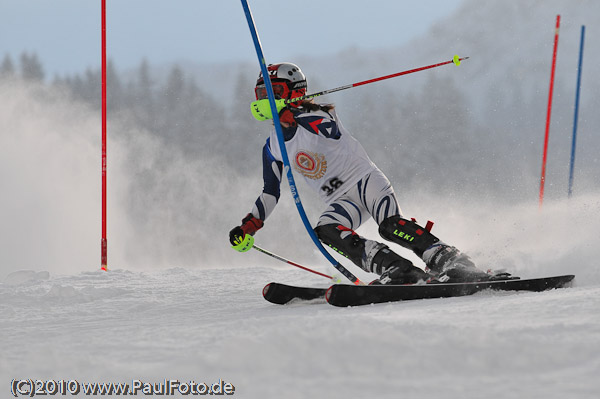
pixel 337 167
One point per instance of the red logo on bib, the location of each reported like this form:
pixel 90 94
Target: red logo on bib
pixel 312 166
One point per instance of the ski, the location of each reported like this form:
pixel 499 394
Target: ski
pixel 281 294
pixel 350 295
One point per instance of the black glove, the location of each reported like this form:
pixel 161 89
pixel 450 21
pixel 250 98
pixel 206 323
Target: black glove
pixel 236 235
pixel 250 225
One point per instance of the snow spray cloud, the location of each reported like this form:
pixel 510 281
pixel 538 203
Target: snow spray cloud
pixel 171 210
pixel 560 238
pixel 50 166
pixel 164 209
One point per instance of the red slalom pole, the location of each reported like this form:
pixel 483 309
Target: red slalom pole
pixel 103 242
pixel 545 156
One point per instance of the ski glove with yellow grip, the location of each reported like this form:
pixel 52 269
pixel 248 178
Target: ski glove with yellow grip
pixel 241 237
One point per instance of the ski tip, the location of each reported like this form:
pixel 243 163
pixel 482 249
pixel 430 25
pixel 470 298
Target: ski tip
pixel 568 281
pixel 328 293
pixel 266 290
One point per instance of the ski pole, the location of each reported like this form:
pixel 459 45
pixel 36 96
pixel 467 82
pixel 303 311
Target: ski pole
pixel 455 60
pixel 289 262
pixel 261 110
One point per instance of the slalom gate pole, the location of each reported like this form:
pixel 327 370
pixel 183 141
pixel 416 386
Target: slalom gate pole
pixel 103 241
pixel 574 144
pixel 456 61
pixel 284 155
pixel 545 156
pixel 289 262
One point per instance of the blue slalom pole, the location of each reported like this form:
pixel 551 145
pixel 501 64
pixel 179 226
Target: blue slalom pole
pixel 284 155
pixel 574 144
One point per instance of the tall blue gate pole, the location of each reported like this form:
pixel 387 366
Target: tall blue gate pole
pixel 284 155
pixel 574 144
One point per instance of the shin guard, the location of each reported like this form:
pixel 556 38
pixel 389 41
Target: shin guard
pixel 407 234
pixel 343 240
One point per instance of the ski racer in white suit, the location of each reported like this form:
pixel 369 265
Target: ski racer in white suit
pixel 336 166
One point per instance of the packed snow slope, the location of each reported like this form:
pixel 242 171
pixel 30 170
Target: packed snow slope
pixel 206 325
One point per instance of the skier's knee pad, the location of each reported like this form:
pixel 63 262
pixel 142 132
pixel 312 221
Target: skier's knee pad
pixel 351 246
pixel 407 234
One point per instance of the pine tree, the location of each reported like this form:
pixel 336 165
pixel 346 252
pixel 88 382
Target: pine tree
pixel 245 135
pixel 31 68
pixel 142 97
pixel 7 69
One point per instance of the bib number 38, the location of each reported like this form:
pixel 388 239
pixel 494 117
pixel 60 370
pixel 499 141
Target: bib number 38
pixel 331 185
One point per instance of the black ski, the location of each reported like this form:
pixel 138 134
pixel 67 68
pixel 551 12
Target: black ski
pixel 281 293
pixel 355 295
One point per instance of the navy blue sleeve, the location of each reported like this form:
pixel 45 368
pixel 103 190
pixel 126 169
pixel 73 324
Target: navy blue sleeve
pixel 272 172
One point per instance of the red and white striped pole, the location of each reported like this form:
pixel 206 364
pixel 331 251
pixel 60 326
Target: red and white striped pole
pixel 545 156
pixel 289 262
pixel 456 60
pixel 103 245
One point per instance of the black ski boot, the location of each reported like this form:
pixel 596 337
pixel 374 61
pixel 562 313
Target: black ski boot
pixel 399 275
pixel 452 266
pixel 371 256
pixel 444 262
pixel 395 270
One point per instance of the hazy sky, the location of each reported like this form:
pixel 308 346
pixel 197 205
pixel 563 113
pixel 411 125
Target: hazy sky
pixel 66 33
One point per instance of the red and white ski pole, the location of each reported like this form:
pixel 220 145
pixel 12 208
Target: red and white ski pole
pixel 456 60
pixel 261 110
pixel 289 262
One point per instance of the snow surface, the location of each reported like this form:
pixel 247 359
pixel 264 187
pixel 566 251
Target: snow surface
pixel 207 325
